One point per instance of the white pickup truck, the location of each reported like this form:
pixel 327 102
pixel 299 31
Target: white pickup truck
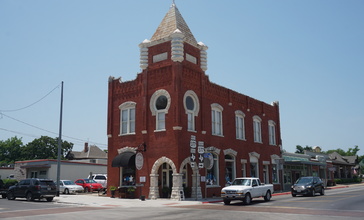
pixel 246 188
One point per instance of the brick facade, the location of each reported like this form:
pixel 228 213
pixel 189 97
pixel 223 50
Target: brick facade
pixel 172 145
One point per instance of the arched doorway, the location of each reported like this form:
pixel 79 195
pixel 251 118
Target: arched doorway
pixel 155 180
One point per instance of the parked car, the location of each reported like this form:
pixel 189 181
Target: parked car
pixel 308 185
pixel 33 189
pixel 245 189
pixel 3 189
pixel 99 178
pixel 67 187
pixel 89 185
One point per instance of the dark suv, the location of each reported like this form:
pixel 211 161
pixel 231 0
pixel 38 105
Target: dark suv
pixel 33 189
pixel 308 185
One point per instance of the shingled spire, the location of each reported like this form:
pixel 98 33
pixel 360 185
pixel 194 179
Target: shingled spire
pixel 170 23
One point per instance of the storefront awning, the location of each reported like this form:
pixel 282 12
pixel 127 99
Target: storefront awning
pixel 125 159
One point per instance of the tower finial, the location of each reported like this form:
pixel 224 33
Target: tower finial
pixel 173 3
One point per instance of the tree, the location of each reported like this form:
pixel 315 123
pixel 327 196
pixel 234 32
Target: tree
pixel 350 152
pixel 11 151
pixel 46 148
pixel 301 150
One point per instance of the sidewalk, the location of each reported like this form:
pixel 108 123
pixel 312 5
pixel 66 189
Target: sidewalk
pixel 95 200
pixel 103 201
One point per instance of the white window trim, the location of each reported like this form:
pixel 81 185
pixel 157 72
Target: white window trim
pixel 127 106
pixel 240 115
pixel 195 111
pixel 233 166
pixel 155 111
pixel 257 129
pixel 215 108
pixel 272 133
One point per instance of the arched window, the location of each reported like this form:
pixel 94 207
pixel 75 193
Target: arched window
pixel 239 125
pixel 192 107
pixel 127 118
pixel 257 127
pixel 212 178
pixel 216 118
pixel 229 168
pixel 272 132
pixel 159 105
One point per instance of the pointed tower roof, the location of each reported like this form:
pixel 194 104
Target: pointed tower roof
pixel 171 22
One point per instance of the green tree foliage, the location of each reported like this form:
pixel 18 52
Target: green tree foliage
pixel 301 150
pixel 11 151
pixel 46 148
pixel 350 152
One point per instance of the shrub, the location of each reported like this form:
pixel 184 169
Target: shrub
pixel 9 182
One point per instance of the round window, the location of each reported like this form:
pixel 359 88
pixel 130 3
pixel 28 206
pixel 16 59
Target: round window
pixel 161 102
pixel 190 104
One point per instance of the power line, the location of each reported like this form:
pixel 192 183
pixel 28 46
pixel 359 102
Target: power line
pixel 14 110
pixel 73 138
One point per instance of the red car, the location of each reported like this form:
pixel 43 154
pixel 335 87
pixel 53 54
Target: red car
pixel 89 185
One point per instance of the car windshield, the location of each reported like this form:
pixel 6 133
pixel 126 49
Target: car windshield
pixel 241 182
pixel 90 181
pixel 68 182
pixel 304 181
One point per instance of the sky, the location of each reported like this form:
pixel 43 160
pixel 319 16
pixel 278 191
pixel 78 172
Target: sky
pixel 308 55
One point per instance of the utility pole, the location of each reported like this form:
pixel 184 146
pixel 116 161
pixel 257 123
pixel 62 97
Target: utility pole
pixel 59 144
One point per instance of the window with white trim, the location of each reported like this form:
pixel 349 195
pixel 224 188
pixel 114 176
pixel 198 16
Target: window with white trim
pixel 257 127
pixel 272 132
pixel 239 125
pixel 229 168
pixel 159 105
pixel 212 178
pixel 275 177
pixel 192 107
pixel 216 118
pixel 127 118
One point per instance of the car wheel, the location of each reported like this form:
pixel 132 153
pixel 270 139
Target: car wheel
pixel 66 191
pixel 227 202
pixel 87 189
pixel 3 196
pixel 313 192
pixel 247 199
pixel 267 196
pixel 322 191
pixel 50 199
pixel 10 196
pixel 29 197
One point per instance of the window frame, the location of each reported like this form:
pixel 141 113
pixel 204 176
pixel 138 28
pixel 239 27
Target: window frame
pixel 127 106
pixel 257 129
pixel 240 127
pixel 216 119
pixel 191 113
pixel 215 169
pixel 272 133
pixel 160 124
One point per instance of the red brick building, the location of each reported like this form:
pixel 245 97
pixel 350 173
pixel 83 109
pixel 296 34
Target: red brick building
pixel 162 123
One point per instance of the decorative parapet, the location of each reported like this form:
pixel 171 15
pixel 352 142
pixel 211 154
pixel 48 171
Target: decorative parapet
pixel 177 46
pixel 144 54
pixel 203 55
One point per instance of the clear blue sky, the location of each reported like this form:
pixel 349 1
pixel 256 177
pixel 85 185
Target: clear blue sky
pixel 308 55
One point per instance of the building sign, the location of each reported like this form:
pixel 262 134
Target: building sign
pixel 139 161
pixel 208 161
